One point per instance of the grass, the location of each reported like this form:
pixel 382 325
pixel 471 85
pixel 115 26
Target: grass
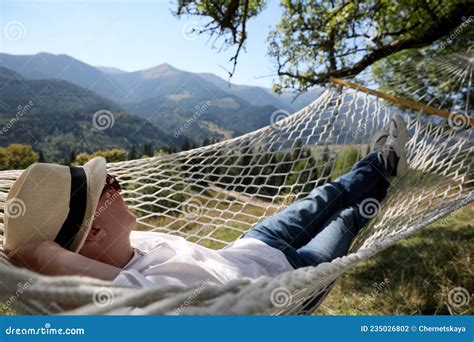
pixel 414 277
pixel 212 210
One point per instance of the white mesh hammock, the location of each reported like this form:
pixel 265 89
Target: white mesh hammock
pixel 213 194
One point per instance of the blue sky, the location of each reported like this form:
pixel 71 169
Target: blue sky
pixel 133 35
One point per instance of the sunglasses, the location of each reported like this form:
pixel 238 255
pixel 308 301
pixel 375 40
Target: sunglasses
pixel 111 183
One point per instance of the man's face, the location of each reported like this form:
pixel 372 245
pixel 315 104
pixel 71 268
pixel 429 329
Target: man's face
pixel 110 231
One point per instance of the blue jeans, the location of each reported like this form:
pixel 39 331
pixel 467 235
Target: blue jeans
pixel 321 226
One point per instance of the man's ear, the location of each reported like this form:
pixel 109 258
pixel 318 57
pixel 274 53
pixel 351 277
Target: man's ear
pixel 95 234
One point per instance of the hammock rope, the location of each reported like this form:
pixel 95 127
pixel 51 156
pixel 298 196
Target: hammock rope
pixel 213 194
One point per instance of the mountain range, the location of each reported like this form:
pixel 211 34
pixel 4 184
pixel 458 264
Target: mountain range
pixel 56 118
pixel 174 103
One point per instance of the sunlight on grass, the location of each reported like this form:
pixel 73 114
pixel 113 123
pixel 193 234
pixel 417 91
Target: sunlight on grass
pixel 414 277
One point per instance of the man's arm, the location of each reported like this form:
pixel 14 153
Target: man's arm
pixel 47 257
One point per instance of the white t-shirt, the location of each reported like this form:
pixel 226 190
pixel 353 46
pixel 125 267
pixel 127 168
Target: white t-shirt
pixel 162 259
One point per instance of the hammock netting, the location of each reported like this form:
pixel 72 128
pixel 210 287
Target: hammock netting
pixel 213 194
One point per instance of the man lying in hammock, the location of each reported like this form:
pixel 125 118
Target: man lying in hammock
pixel 73 224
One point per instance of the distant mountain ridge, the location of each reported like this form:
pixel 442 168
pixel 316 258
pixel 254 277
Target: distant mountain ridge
pixel 264 96
pixel 165 95
pixel 101 79
pixel 63 67
pixel 60 121
pixel 109 70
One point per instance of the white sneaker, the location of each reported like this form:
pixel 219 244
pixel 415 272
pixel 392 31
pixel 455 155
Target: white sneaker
pixel 398 129
pixel 393 153
pixel 378 140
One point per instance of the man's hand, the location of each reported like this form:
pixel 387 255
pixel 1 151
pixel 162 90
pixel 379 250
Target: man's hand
pixel 49 258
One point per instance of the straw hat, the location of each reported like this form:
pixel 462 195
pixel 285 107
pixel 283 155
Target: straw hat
pixel 54 202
